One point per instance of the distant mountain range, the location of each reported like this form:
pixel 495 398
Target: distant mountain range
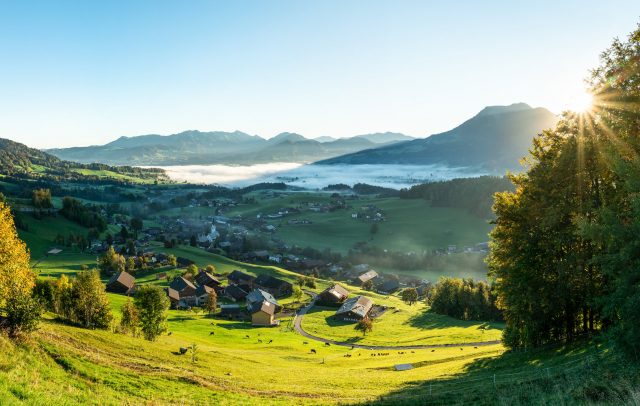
pixel 230 148
pixel 494 140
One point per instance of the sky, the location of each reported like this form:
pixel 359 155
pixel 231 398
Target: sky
pixel 75 73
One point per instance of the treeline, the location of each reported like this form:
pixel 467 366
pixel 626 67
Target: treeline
pixel 472 194
pixel 85 215
pixel 464 299
pixel 566 247
pixel 363 189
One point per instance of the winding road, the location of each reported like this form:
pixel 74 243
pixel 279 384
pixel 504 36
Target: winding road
pixel 297 324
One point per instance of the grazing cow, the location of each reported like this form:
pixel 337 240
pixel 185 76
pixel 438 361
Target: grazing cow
pixel 183 350
pixel 270 341
pixel 169 333
pixel 259 340
pixel 313 351
pixel 212 333
pixel 247 336
pixel 327 344
pixel 433 350
pixel 475 348
pixel 305 342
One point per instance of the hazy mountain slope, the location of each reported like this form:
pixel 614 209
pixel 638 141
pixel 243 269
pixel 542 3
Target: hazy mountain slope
pixel 494 139
pixel 195 147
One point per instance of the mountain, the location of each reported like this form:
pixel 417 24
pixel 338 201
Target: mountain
pixel 218 147
pixel 325 138
pixel 385 138
pixel 495 139
pixel 19 161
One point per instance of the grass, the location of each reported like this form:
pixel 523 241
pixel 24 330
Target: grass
pixel 106 174
pixel 411 225
pixel 403 325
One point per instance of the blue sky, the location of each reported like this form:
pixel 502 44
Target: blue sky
pixel 87 72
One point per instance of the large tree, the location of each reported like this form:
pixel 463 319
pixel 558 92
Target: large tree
pixel 90 303
pixel 16 277
pixel 152 304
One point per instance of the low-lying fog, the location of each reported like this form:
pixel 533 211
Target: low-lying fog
pixel 317 176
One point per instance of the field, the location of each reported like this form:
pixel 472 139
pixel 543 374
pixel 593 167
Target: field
pixel 411 225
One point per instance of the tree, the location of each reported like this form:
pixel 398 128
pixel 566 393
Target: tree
pixel 130 265
pixel 172 260
pixel 23 314
pixel 192 270
pixel 41 199
pixel 16 277
pixel 152 304
pixel 124 233
pixel 90 302
pixel 192 241
pixel 136 225
pixel 111 262
pixel 365 326
pixel 410 295
pixel 310 282
pixel 300 280
pixel 297 293
pixel 193 350
pixel 368 285
pixel 130 319
pixel 210 269
pixel 62 302
pixel 211 305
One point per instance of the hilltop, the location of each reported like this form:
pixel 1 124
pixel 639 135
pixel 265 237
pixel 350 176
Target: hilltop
pixel 219 147
pixel 495 139
pixel 19 161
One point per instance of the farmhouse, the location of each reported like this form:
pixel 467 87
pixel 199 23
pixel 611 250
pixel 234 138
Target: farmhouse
pixel 367 276
pixel 258 296
pixel 183 286
pixel 262 306
pixel 239 278
pixel 333 295
pixel 206 279
pixel 121 282
pixel 174 297
pixel 235 293
pixel 263 314
pixel 202 294
pixel 276 287
pixel 388 287
pixel 354 309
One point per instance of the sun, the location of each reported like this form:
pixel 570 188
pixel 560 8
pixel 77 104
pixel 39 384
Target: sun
pixel 581 103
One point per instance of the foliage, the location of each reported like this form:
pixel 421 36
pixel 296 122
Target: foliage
pixel 86 216
pixel 111 262
pixel 365 326
pixel 42 199
pixel 16 278
pixel 464 299
pixel 130 319
pixel 90 303
pixel 565 248
pixel 409 295
pixel 152 304
pixel 473 194
pixel 211 304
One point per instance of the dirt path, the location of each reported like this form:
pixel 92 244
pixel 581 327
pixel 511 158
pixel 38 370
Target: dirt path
pixel 297 324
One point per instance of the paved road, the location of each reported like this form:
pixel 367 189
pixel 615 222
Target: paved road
pixel 297 324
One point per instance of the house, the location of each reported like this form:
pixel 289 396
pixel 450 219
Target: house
pixel 261 255
pixel 235 293
pixel 354 309
pixel 186 292
pixel 257 296
pixel 206 279
pixel 388 287
pixel 174 297
pixel 333 295
pixel 367 276
pixel 121 282
pixel 231 311
pixel 184 262
pixel 276 287
pixel 240 278
pixel 263 314
pixel 202 294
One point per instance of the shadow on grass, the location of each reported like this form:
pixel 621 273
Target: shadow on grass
pixel 585 372
pixel 430 321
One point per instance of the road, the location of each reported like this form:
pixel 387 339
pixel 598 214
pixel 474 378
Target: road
pixel 297 324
